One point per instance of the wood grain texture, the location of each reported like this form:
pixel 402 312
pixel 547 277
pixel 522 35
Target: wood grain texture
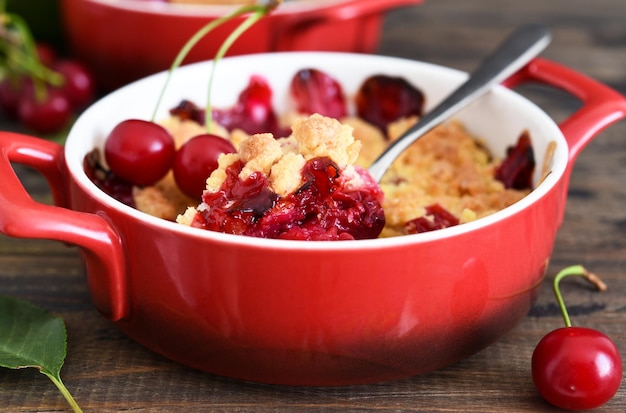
pixel 107 372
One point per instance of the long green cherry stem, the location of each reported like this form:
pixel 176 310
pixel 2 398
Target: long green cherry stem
pixel 256 16
pixel 576 270
pixel 19 48
pixel 258 11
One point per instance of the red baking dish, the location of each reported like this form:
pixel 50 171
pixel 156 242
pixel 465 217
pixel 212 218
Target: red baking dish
pixel 311 312
pixel 123 40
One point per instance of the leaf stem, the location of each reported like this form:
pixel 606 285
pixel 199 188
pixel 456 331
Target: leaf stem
pixel 64 391
pixel 580 271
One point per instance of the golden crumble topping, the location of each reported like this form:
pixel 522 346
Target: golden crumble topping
pixel 281 160
pixel 184 129
pixel 322 136
pixel 448 166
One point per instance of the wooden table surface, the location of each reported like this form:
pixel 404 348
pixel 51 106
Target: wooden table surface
pixel 105 371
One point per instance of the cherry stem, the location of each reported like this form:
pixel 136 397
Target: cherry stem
pixel 258 10
pixel 580 271
pixel 221 52
pixel 20 48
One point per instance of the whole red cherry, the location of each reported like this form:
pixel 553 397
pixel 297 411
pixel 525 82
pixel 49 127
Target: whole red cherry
pixel 47 114
pixel 196 159
pixel 576 368
pixel 11 91
pixel 46 53
pixel 78 84
pixel 139 151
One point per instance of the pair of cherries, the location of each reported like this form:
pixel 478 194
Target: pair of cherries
pixel 143 152
pixel 38 89
pixel 46 105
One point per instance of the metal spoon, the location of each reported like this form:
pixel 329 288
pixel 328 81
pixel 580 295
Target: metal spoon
pixel 521 47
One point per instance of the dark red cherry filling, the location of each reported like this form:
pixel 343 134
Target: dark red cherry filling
pixel 380 99
pixel 321 209
pixel 314 91
pixel 188 110
pixel 383 99
pixel 436 217
pixel 107 181
pixel 253 112
pixel 516 170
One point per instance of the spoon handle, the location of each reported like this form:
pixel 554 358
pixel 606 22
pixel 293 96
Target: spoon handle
pixel 521 47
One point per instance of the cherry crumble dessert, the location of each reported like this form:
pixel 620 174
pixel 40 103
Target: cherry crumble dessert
pixel 308 181
pixel 304 186
pixel 300 175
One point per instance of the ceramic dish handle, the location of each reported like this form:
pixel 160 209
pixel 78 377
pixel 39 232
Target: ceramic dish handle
pixel 601 105
pixel 22 217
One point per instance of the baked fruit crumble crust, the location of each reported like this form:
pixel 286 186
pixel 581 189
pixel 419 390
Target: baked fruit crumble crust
pixel 445 178
pixel 307 179
pixel 304 186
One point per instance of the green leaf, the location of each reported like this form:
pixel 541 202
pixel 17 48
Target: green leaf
pixel 32 337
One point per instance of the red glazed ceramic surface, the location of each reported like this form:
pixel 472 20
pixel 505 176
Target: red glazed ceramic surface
pixel 117 38
pixel 310 313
